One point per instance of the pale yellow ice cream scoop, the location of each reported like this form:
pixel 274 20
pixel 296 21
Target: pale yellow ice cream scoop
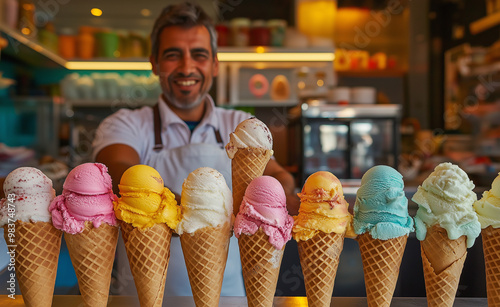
pixel 488 207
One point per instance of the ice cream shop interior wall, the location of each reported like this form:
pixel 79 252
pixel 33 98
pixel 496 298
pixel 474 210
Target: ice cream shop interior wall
pixel 68 80
pixel 71 63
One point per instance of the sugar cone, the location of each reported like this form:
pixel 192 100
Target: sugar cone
pixel 148 253
pixel 491 250
pixel 92 253
pixel 319 259
pixel 205 252
pixel 247 164
pixel 381 262
pixel 36 254
pixel 443 260
pixel 261 263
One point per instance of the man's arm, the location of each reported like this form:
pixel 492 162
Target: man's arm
pixel 286 179
pixel 118 158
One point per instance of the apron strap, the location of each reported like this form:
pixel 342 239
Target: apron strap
pixel 157 126
pixel 218 138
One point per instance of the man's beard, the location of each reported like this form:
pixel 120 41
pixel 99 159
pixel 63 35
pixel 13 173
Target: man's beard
pixel 171 99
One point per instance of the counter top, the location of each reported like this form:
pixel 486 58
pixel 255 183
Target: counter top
pixel 237 301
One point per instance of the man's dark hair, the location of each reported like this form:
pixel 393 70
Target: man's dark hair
pixel 185 15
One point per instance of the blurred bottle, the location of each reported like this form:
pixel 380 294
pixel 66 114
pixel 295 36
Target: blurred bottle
pixel 260 34
pixel 277 27
pixel 136 45
pixel 107 42
pixel 67 43
pixel 26 22
pixel 47 37
pixel 122 43
pixel 11 13
pixel 86 43
pixel 240 32
pixel 222 35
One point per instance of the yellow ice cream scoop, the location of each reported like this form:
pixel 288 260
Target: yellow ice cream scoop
pixel 144 200
pixel 142 177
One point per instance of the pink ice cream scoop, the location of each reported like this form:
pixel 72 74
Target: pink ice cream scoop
pixel 87 196
pixel 264 206
pixel 89 179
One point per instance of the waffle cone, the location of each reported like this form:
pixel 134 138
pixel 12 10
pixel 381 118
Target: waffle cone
pixel 381 262
pixel 247 164
pixel 205 253
pixel 319 259
pixel 260 262
pixel 37 248
pixel 92 253
pixel 443 260
pixel 148 253
pixel 491 250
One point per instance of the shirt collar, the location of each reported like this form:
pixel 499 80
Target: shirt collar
pixel 168 117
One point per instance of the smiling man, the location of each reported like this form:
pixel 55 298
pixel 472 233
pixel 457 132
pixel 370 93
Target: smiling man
pixel 186 66
pixel 183 132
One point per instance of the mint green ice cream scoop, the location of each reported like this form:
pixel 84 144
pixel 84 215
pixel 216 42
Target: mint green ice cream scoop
pixel 445 198
pixel 381 206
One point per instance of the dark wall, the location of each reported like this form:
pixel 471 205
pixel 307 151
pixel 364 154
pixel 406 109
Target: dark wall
pixel 257 9
pixel 445 16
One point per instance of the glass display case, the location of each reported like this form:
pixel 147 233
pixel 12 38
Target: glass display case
pixel 346 140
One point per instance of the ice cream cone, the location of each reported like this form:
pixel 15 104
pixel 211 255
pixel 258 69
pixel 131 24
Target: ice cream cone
pixel 92 253
pixel 381 262
pixel 205 252
pixel 443 261
pixel 261 263
pixel 148 253
pixel 491 250
pixel 36 254
pixel 319 258
pixel 247 164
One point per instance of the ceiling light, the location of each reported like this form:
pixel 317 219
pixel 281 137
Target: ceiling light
pixel 96 12
pixel 97 65
pixel 145 12
pixel 276 57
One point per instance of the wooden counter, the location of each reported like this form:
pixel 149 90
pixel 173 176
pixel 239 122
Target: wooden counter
pixel 239 301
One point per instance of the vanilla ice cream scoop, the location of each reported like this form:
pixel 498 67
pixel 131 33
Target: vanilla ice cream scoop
pixel 32 192
pixel 206 201
pixel 249 133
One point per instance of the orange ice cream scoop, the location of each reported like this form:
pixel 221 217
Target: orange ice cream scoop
pixel 322 208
